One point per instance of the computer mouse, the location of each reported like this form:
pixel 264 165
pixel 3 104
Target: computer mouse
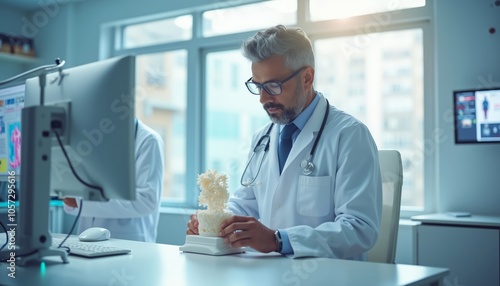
pixel 95 234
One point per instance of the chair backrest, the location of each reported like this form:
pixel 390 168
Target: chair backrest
pixel 391 170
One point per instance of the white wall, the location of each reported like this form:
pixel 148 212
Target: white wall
pixel 467 56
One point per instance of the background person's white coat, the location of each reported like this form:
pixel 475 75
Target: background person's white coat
pixel 132 220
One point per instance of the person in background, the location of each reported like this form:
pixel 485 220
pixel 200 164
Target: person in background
pixel 334 210
pixel 131 220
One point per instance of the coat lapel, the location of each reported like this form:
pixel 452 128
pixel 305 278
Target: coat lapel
pixel 300 149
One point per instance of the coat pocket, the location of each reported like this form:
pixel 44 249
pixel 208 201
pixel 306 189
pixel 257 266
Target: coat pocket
pixel 314 196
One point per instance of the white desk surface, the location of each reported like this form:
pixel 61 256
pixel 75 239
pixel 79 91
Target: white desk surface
pixel 444 218
pixel 159 264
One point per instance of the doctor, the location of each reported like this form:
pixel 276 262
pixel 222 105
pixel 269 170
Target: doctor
pixel 131 220
pixel 326 199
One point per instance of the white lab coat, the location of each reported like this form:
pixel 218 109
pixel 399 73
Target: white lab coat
pixel 336 211
pixel 132 220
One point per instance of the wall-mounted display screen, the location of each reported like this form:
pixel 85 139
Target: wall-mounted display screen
pixel 477 115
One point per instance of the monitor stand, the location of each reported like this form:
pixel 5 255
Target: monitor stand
pixel 34 240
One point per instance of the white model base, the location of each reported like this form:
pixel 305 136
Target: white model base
pixel 209 245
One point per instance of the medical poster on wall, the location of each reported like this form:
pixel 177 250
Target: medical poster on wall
pixel 11 104
pixel 14 143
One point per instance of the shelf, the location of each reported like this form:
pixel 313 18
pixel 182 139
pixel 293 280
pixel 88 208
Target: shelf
pixel 17 58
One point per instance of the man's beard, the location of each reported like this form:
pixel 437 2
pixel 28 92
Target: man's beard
pixel 288 114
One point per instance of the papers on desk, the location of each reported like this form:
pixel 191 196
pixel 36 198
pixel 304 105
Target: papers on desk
pixel 209 245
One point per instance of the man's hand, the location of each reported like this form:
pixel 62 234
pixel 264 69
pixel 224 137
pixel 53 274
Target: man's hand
pixel 70 202
pixel 193 225
pixel 242 231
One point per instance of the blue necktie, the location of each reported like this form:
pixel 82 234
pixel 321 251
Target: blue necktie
pixel 285 143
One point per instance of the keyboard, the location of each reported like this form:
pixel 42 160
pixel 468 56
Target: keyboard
pixel 88 249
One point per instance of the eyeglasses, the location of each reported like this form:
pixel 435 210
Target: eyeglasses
pixel 271 87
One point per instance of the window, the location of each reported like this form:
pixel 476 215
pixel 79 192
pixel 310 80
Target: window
pixel 155 71
pixel 389 106
pixel 249 17
pixel 161 104
pixel 191 81
pixel 157 32
pixel 340 9
pixel 230 110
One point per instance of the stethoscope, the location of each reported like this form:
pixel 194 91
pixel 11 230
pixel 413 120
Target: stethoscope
pixel 307 165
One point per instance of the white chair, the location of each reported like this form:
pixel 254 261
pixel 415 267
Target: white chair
pixel 391 170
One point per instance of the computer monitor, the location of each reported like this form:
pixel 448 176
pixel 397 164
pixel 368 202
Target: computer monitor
pixel 92 108
pixel 11 103
pixel 99 137
pixel 477 115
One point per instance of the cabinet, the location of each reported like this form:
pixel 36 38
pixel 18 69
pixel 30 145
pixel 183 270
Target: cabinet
pixel 469 247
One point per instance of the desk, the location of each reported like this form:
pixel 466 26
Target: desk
pixel 152 264
pixel 445 219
